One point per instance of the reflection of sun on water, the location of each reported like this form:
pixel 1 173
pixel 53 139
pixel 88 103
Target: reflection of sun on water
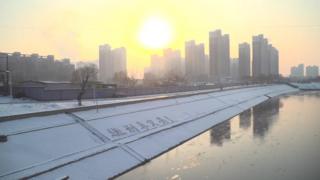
pixel 155 33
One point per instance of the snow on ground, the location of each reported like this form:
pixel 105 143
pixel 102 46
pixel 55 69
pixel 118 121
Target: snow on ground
pixel 11 106
pixel 99 145
pixel 35 123
pixel 9 99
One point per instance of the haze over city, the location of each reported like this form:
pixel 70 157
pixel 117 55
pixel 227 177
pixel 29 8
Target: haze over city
pixel 159 89
pixel 75 29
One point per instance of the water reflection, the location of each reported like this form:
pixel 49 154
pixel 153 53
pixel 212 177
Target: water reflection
pixel 260 117
pixel 264 116
pixel 310 94
pixel 245 119
pixel 220 133
pixel 290 144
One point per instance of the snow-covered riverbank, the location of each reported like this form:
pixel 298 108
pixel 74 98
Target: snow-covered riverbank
pixel 307 86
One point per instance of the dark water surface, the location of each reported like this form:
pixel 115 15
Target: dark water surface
pixel 279 139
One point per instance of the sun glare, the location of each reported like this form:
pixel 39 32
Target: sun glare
pixel 155 33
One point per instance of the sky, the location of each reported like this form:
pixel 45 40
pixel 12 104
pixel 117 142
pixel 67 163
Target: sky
pixel 75 28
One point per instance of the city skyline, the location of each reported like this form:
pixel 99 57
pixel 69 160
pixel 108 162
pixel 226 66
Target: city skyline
pixel 159 89
pixel 68 29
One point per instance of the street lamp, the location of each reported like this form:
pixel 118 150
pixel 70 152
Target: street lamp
pixel 9 81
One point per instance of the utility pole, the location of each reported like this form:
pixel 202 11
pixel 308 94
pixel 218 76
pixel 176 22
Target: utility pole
pixel 10 83
pixel 94 97
pixel 7 73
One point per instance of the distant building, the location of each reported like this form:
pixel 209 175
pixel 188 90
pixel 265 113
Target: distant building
pixel 169 63
pixel 190 58
pixel 207 65
pixel 312 71
pixel 172 62
pixel 265 58
pixel 37 68
pixel 157 65
pixel 105 63
pixel 195 61
pixel 234 68
pixel 244 60
pixel 111 61
pixel 297 72
pixel 119 57
pixel 200 64
pixel 274 61
pixel 183 66
pixel 219 55
pixel 260 59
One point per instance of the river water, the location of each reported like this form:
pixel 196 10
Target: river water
pixel 278 139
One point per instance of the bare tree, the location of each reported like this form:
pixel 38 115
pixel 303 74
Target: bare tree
pixel 82 76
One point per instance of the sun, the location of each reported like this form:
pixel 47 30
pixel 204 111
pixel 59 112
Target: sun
pixel 155 33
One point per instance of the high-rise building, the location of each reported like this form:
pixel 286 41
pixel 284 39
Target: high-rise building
pixel 183 66
pixel 172 62
pixel 265 58
pixel 119 58
pixel 190 56
pixel 207 65
pixel 105 63
pixel 194 61
pixel 300 70
pixel 157 65
pixel 274 61
pixel 166 65
pixel 111 61
pixel 260 60
pixel 200 63
pixel 244 60
pixel 234 68
pixel 219 55
pixel 312 71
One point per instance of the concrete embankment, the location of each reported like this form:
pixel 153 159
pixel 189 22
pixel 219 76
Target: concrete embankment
pixel 12 111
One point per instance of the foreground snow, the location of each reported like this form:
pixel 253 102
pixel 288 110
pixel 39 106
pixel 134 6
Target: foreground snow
pixel 100 145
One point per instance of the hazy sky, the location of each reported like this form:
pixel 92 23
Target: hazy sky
pixel 75 28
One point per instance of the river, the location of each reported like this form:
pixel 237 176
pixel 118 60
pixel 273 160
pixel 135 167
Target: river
pixel 278 139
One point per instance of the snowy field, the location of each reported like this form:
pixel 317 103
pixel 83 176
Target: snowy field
pixel 102 144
